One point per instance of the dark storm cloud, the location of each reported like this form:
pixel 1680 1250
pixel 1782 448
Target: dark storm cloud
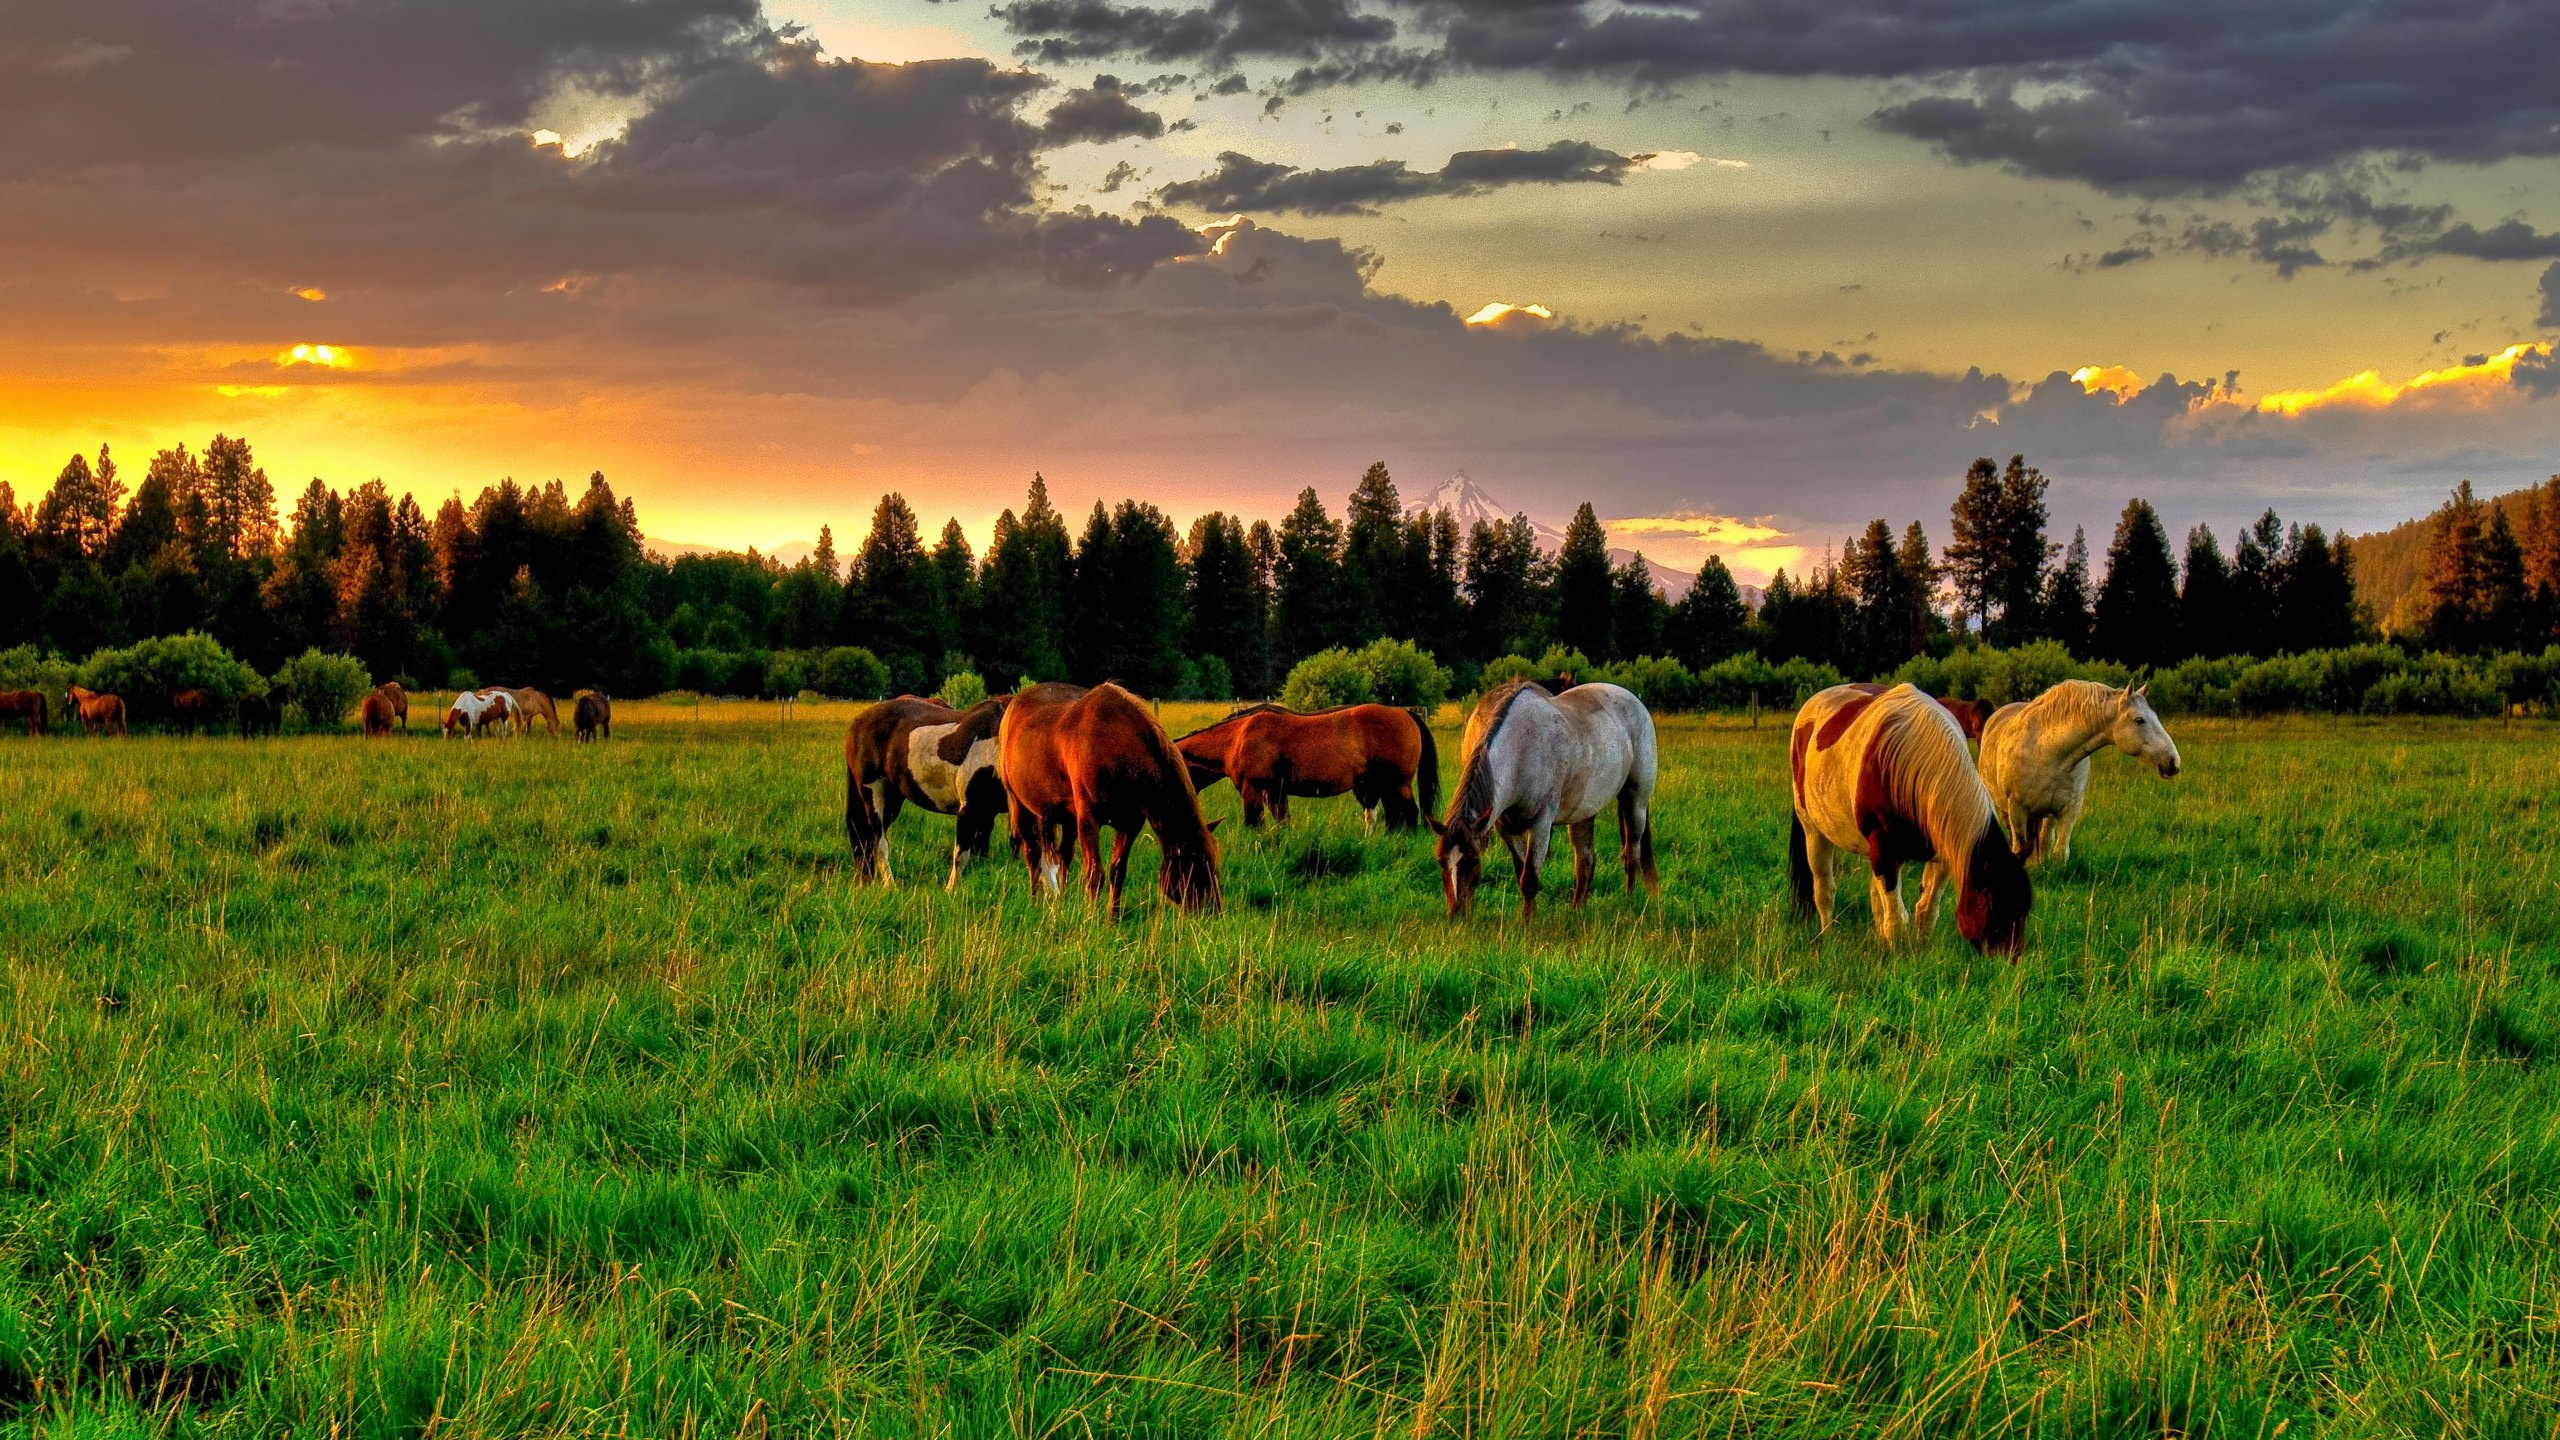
pixel 2511 240
pixel 1100 114
pixel 1242 183
pixel 1061 31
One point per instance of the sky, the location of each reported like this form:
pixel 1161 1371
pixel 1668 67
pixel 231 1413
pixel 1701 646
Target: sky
pixel 1742 274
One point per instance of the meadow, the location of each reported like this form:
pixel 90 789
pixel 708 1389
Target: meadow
pixel 522 1087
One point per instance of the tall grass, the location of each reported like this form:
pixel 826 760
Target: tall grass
pixel 525 1087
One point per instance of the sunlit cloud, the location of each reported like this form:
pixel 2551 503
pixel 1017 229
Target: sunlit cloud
pixel 2115 380
pixel 327 357
pixel 312 293
pixel 1753 550
pixel 1498 315
pixel 2475 382
pixel 1683 159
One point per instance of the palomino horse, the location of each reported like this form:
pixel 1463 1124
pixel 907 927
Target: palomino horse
pixel 473 711
pixel 2035 756
pixel 593 715
pixel 193 709
pixel 1383 756
pixel 395 701
pixel 264 713
pixel 1969 713
pixel 27 705
pixel 1535 761
pixel 914 751
pixel 532 705
pixel 98 714
pixel 376 712
pixel 1888 776
pixel 1084 759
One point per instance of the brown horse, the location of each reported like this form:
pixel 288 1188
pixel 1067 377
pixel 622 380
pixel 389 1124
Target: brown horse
pixel 99 714
pixel 532 705
pixel 1085 759
pixel 377 714
pixel 193 708
pixel 593 715
pixel 1969 713
pixel 261 712
pixel 27 705
pixel 397 702
pixel 914 751
pixel 1383 756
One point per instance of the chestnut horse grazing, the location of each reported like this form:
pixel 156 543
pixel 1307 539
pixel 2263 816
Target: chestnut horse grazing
pixel 193 708
pixel 593 715
pixel 915 751
pixel 1383 756
pixel 98 714
pixel 1888 776
pixel 1072 757
pixel 1536 761
pixel 27 705
pixel 532 705
pixel 397 702
pixel 262 712
pixel 376 713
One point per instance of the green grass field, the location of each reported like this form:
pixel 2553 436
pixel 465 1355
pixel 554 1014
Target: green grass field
pixel 501 1088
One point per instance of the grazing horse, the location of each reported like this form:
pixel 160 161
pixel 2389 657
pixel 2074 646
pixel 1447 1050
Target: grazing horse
pixel 1384 756
pixel 2035 756
pixel 1888 776
pixel 1536 761
pixel 376 712
pixel 265 712
pixel 27 705
pixel 473 711
pixel 511 716
pixel 593 715
pixel 1072 757
pixel 1969 713
pixel 397 701
pixel 532 705
pixel 193 708
pixel 98 714
pixel 915 751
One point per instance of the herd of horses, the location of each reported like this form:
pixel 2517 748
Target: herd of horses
pixel 473 712
pixel 1886 773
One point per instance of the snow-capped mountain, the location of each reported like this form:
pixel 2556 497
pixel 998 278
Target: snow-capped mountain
pixel 1467 500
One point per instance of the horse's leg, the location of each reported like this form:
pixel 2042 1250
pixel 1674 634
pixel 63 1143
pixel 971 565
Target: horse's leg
pixel 1089 846
pixel 1635 842
pixel 1532 855
pixel 1886 899
pixel 1121 840
pixel 1933 880
pixel 1818 858
pixel 1252 794
pixel 886 802
pixel 1586 856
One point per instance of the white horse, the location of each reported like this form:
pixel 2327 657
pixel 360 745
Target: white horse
pixel 2035 756
pixel 1534 762
pixel 1887 776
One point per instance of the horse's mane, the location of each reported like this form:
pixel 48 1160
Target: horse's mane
pixel 2088 702
pixel 978 722
pixel 1475 780
pixel 1919 757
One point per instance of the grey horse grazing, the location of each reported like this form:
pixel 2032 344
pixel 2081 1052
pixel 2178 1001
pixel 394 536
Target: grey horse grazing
pixel 2035 757
pixel 1534 762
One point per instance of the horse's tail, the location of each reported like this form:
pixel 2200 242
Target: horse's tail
pixel 1799 868
pixel 1426 775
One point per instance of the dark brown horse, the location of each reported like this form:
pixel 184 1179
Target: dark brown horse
pixel 397 702
pixel 1383 756
pixel 27 705
pixel 193 709
pixel 915 751
pixel 594 716
pixel 265 713
pixel 98 714
pixel 1084 759
pixel 1969 713
pixel 377 714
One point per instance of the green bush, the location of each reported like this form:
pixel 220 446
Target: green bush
pixel 1326 679
pixel 961 689
pixel 849 672
pixel 28 668
pixel 148 672
pixel 1383 672
pixel 322 687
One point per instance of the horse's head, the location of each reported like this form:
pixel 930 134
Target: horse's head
pixel 1189 876
pixel 1460 851
pixel 2139 733
pixel 1991 908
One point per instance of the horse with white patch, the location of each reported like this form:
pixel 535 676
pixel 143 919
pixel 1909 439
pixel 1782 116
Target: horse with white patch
pixel 1888 776
pixel 1535 761
pixel 2035 756
pixel 918 751
pixel 473 711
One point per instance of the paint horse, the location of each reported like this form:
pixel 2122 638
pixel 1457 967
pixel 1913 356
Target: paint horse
pixel 265 713
pixel 395 701
pixel 1082 759
pixel 532 705
pixel 27 705
pixel 1534 761
pixel 593 715
pixel 1888 776
pixel 2035 757
pixel 914 751
pixel 1384 757
pixel 474 711
pixel 98 714
pixel 511 716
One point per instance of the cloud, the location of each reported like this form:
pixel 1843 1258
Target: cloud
pixel 2481 379
pixel 2550 314
pixel 1060 32
pixel 1242 183
pixel 1101 113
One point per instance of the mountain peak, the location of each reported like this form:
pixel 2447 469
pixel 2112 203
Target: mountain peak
pixel 1470 502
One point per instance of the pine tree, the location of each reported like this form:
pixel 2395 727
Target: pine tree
pixel 1264 542
pixel 1222 619
pixel 1920 575
pixel 1307 583
pixel 1876 594
pixel 1583 587
pixel 1973 554
pixel 241 504
pixel 2204 597
pixel 1144 629
pixel 2316 605
pixel 955 576
pixel 2454 591
pixel 2539 538
pixel 1503 579
pixel 1638 614
pixel 1710 622
pixel 892 606
pixel 1376 571
pixel 1091 611
pixel 2503 604
pixel 2255 580
pixel 2066 599
pixel 1022 595
pixel 822 557
pixel 77 516
pixel 1440 605
pixel 2136 619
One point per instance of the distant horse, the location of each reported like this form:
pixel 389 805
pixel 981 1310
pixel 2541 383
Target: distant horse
pixel 2035 756
pixel 593 715
pixel 98 714
pixel 532 705
pixel 1072 757
pixel 397 701
pixel 1969 713
pixel 1536 761
pixel 914 751
pixel 1385 757
pixel 28 705
pixel 377 713
pixel 1888 776
pixel 511 718
pixel 263 713
pixel 473 711
pixel 193 708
